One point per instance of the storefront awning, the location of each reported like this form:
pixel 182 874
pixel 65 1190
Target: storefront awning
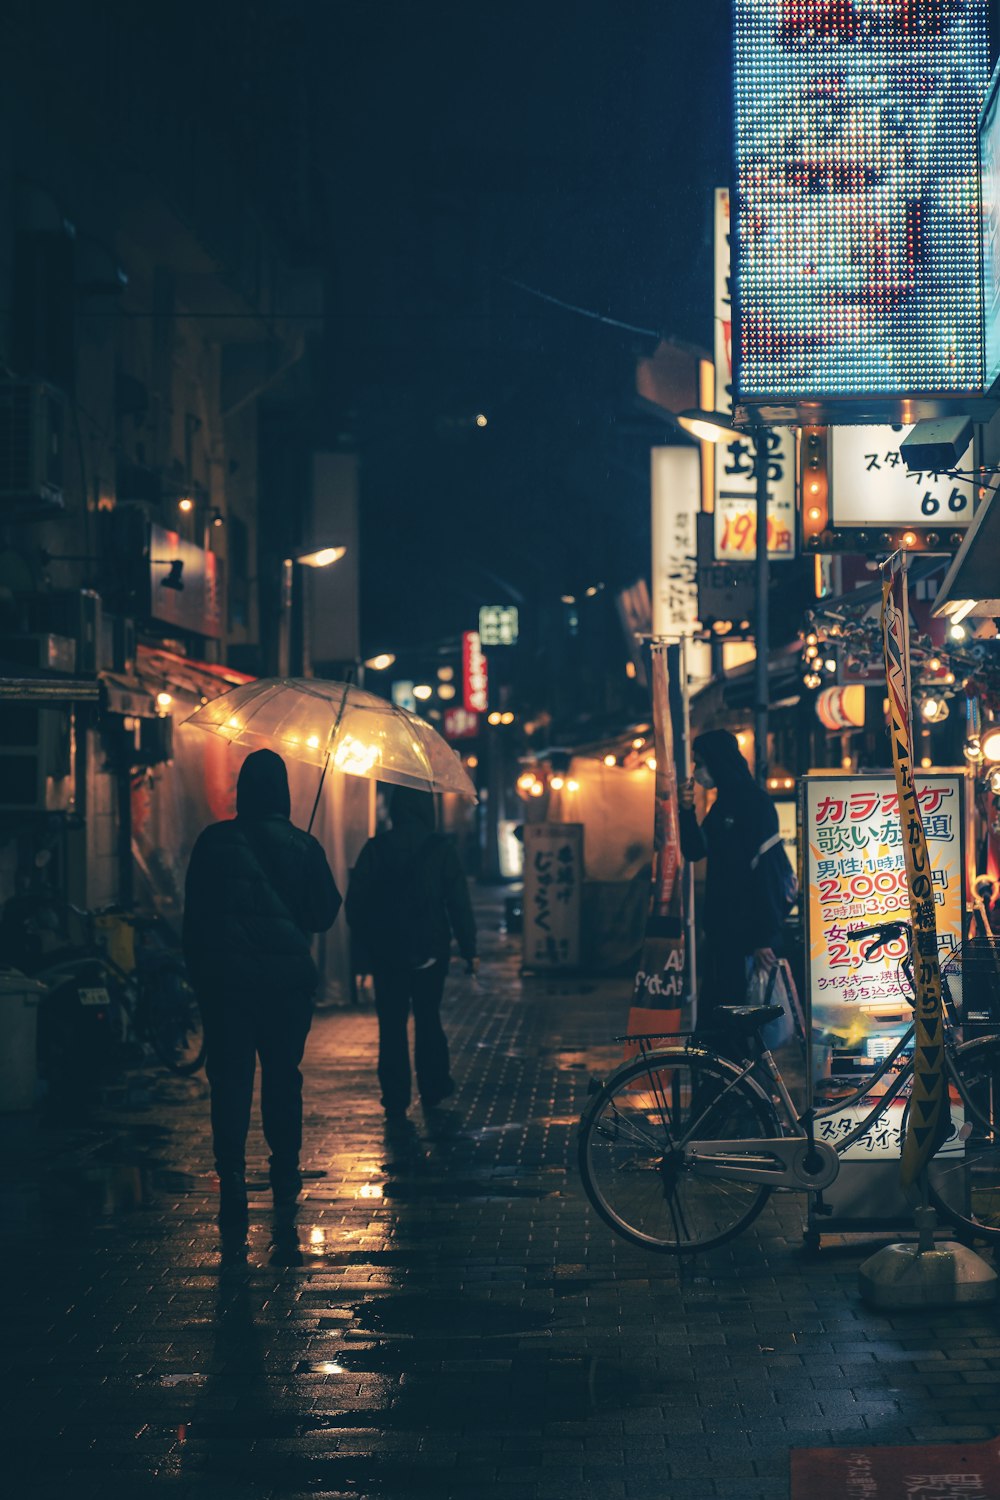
pixel 972 583
pixel 159 668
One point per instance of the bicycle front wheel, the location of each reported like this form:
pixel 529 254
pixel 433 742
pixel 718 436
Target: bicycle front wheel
pixel 173 1019
pixel 632 1159
pixel 964 1177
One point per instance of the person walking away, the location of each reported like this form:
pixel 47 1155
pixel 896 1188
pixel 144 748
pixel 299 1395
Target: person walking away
pixel 406 896
pixel 749 883
pixel 257 887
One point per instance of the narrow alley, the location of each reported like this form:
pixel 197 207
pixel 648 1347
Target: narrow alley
pixel 461 1325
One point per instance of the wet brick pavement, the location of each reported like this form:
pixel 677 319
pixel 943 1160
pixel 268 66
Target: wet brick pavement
pixel 462 1325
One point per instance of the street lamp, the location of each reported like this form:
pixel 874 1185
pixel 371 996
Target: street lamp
pixel 717 427
pixel 321 557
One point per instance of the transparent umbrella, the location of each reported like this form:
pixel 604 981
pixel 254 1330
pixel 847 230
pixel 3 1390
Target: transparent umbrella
pixel 339 726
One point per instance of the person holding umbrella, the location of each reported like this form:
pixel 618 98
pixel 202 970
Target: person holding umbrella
pixel 406 897
pixel 257 887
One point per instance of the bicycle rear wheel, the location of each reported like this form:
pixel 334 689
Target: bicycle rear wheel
pixel 964 1177
pixel 173 1019
pixel 631 1154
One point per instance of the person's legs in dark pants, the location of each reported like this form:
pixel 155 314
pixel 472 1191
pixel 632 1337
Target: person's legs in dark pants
pixel 392 1006
pixel 430 1045
pixel 282 1029
pixel 230 1064
pixel 724 982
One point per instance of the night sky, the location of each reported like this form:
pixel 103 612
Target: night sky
pixel 570 147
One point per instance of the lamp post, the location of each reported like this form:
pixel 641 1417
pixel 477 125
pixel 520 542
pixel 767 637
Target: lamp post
pixel 320 557
pixel 716 427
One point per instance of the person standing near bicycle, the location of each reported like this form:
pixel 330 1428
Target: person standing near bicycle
pixel 257 887
pixel 407 895
pixel 749 883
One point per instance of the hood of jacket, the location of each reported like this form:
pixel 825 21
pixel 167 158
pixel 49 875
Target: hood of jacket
pixel 262 788
pixel 719 752
pixel 411 808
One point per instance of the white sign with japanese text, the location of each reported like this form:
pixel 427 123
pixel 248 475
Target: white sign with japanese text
pixel 498 624
pixel 675 483
pixel 553 887
pixel 855 877
pixel 870 484
pixel 735 482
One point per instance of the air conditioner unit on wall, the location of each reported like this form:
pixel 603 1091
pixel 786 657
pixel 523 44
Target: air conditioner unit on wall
pixel 36 759
pixel 73 613
pixel 32 427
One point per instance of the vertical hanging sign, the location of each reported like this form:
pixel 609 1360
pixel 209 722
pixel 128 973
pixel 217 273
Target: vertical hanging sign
pixel 675 485
pixel 658 992
pixel 928 1105
pixel 475 691
pixel 735 482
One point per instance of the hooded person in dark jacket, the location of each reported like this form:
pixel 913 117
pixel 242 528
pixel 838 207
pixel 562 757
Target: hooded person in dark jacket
pixel 257 887
pixel 746 882
pixel 406 897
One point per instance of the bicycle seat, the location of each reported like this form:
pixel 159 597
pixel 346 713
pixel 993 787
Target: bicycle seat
pixel 748 1017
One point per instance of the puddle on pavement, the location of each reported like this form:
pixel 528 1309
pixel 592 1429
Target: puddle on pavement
pixel 110 1187
pixel 467 1317
pixel 448 1190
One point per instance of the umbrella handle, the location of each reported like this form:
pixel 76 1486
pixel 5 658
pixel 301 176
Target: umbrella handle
pixel 326 763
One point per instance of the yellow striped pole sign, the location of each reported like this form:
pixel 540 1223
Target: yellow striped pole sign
pixel 928 1114
pixel 658 992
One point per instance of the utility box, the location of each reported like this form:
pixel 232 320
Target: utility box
pixel 19 1001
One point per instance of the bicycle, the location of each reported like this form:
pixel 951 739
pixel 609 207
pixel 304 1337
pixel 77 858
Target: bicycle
pixel 122 993
pixel 681 1147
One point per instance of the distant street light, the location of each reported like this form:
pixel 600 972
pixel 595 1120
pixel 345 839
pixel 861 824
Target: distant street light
pixel 322 557
pixel 382 662
pixel 423 691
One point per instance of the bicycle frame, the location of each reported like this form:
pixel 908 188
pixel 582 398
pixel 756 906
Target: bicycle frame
pixel 792 1159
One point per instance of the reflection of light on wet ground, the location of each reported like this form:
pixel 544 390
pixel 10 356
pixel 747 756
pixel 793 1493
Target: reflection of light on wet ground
pixel 317 1240
pixel 192 1379
pixel 371 1190
pixel 329 1367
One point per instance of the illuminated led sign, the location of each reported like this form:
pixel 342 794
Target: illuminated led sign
pixel 857 203
pixel 989 167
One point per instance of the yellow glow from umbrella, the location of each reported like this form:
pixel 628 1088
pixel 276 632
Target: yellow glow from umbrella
pixel 354 757
pixel 313 742
pixel 233 723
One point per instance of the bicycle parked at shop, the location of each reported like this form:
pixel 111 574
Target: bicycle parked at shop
pixel 113 1000
pixel 681 1147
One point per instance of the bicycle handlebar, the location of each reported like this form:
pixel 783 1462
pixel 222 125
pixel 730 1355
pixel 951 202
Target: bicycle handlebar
pixel 882 930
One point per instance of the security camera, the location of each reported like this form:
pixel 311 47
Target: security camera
pixel 936 443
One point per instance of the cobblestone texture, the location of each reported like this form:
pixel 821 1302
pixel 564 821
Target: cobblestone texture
pixel 462 1326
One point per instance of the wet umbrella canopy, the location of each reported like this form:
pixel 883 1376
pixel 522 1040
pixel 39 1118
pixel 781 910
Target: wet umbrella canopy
pixel 336 725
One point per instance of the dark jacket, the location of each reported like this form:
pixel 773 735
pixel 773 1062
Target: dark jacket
pixel 745 893
pixel 256 887
pixel 408 892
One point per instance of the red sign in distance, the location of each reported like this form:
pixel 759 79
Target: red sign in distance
pixel 459 724
pixel 475 695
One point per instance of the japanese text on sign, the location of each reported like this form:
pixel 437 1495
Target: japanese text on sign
pixel 553 876
pixel 498 625
pixel 871 485
pixel 475 695
pixel 735 481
